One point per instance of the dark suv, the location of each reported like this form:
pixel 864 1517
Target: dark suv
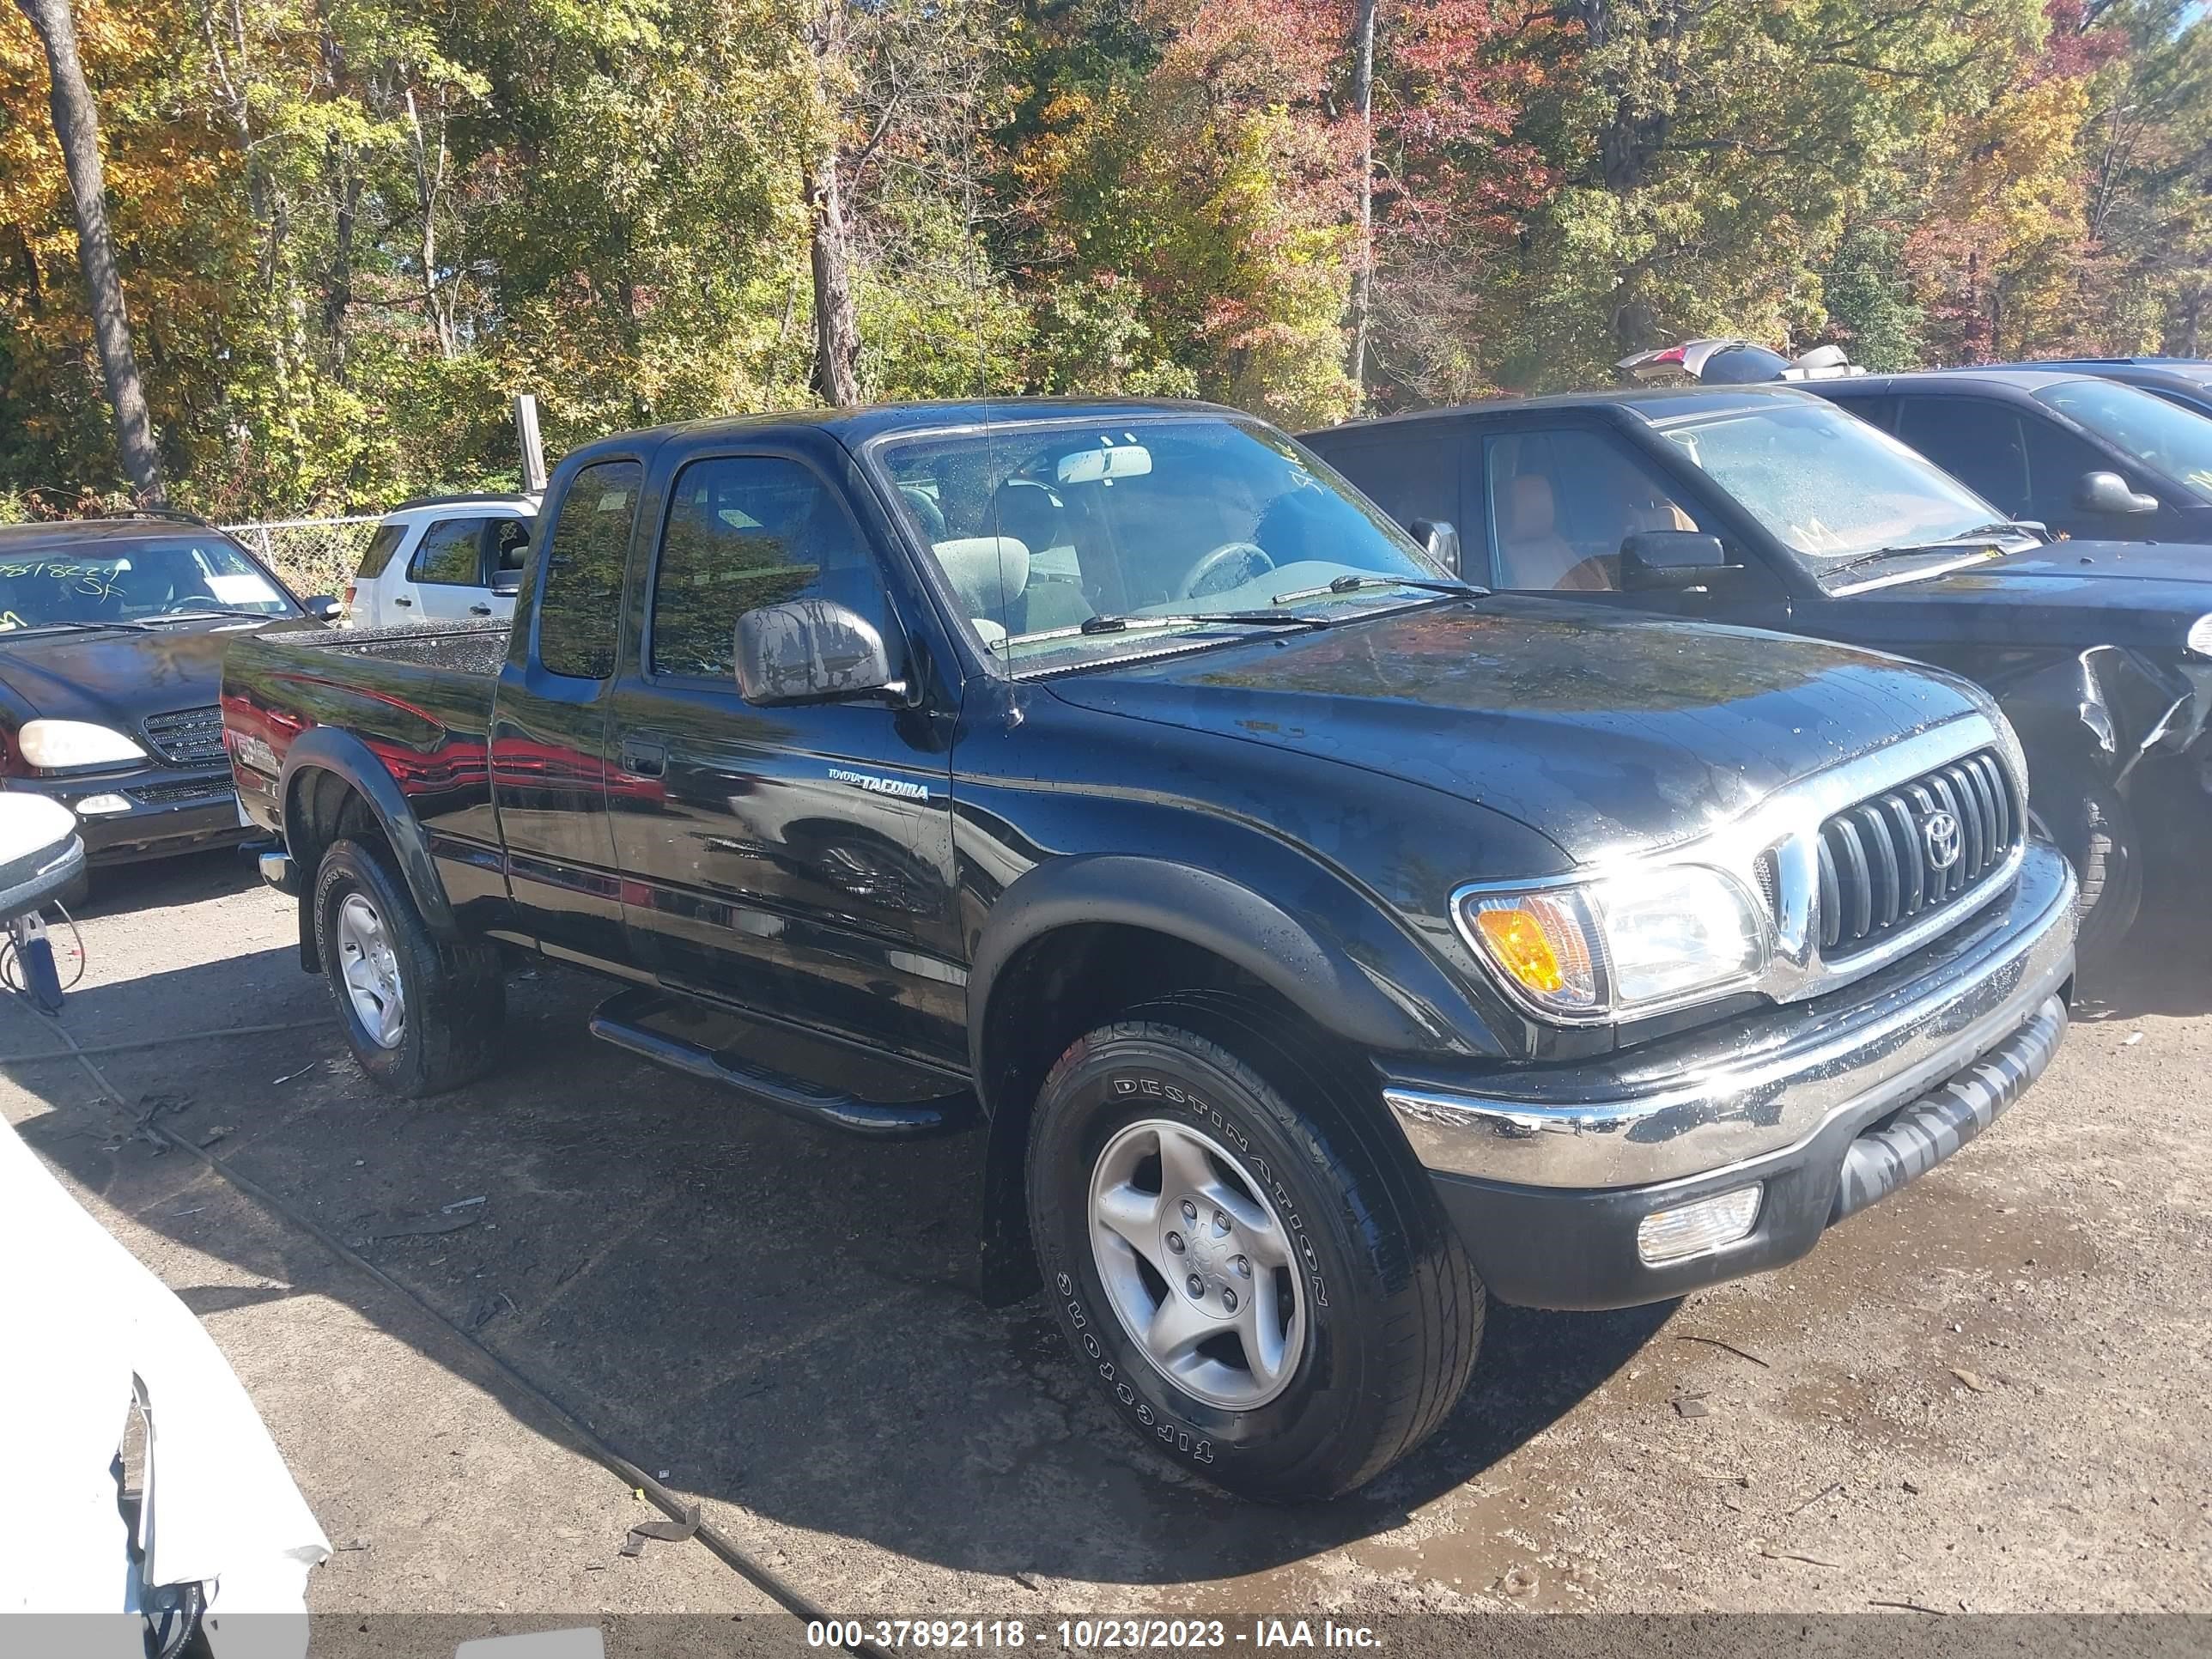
pixel 2076 451
pixel 1768 507
pixel 112 635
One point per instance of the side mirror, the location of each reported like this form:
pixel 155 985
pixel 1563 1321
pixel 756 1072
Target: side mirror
pixel 2108 492
pixel 505 584
pixel 809 650
pixel 1441 537
pixel 1670 558
pixel 323 608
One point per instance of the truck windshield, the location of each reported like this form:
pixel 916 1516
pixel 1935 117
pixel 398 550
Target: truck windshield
pixel 121 582
pixel 1831 488
pixel 1067 544
pixel 2165 437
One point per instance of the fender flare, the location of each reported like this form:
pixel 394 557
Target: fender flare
pixel 331 749
pixel 1199 908
pixel 1181 901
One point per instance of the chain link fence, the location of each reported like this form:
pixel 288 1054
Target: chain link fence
pixel 313 555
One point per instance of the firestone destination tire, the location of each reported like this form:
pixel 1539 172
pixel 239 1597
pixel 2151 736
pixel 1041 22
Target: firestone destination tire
pixel 1241 1251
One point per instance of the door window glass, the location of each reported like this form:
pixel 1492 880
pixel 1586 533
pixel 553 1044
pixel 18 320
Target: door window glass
pixel 1409 476
pixel 744 532
pixel 2058 460
pixel 508 541
pixel 377 554
pixel 582 595
pixel 1977 442
pixel 1562 503
pixel 452 554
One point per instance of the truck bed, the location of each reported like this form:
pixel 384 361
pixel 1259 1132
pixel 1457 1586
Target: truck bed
pixel 419 698
pixel 459 647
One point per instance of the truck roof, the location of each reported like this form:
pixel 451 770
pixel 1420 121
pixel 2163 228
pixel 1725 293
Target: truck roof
pixel 857 425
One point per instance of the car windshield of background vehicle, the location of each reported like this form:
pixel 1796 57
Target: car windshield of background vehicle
pixel 1068 545
pixel 139 581
pixel 2169 439
pixel 1831 488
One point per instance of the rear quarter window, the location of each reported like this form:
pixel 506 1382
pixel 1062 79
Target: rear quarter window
pixel 577 611
pixel 381 546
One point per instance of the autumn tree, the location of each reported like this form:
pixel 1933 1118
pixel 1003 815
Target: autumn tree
pixel 76 132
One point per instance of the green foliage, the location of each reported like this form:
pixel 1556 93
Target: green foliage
pixel 352 230
pixel 1868 296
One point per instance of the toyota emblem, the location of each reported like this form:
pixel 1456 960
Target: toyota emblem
pixel 1940 831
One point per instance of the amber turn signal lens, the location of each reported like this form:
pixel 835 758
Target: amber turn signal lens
pixel 1518 944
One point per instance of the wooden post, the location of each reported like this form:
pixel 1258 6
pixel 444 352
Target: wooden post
pixel 533 452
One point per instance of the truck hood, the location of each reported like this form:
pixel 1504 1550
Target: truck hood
pixel 1602 731
pixel 120 676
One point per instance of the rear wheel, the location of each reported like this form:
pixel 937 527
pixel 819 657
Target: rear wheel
pixel 1241 1251
pixel 420 1017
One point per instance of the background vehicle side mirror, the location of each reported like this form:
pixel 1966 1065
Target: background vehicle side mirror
pixel 1670 558
pixel 2108 492
pixel 322 608
pixel 1441 537
pixel 809 650
pixel 505 584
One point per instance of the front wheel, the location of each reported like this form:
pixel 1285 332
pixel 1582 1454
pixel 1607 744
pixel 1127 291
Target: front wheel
pixel 2099 834
pixel 1259 1276
pixel 420 1017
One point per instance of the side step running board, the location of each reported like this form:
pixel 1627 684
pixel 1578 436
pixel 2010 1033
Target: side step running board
pixel 621 1020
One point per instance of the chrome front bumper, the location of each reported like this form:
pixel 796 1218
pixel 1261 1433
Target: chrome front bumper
pixel 1764 1084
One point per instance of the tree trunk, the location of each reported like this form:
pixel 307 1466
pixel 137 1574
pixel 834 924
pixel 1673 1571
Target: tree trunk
pixel 1363 275
pixel 76 129
pixel 2192 311
pixel 836 323
pixel 430 184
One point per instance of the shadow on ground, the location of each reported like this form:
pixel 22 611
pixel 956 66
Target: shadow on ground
pixel 118 889
pixel 779 1317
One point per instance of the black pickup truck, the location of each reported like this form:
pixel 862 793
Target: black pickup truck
pixel 1315 939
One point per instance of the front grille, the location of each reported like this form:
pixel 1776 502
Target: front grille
pixel 1880 867
pixel 173 794
pixel 189 736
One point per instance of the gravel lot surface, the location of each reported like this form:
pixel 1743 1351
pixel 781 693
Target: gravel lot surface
pixel 1992 1393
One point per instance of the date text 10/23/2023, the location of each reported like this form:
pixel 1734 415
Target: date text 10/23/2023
pixel 1088 1635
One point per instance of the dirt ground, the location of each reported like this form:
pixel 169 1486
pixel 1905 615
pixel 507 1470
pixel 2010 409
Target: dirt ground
pixel 1992 1393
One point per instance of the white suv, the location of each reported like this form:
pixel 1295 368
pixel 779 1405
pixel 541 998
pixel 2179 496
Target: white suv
pixel 442 559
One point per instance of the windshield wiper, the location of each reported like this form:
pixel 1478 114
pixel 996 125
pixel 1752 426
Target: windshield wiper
pixel 1353 583
pixel 73 626
pixel 1964 538
pixel 1235 618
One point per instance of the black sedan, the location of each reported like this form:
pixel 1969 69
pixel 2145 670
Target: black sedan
pixel 1771 507
pixel 112 635
pixel 2073 449
pixel 2183 381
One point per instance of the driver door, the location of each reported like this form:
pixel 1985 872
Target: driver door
pixel 1558 502
pixel 794 862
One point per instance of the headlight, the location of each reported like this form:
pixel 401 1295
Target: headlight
pixel 2199 639
pixel 1625 944
pixel 60 746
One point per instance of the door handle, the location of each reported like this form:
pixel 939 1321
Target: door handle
pixel 403 599
pixel 644 757
pixel 479 611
